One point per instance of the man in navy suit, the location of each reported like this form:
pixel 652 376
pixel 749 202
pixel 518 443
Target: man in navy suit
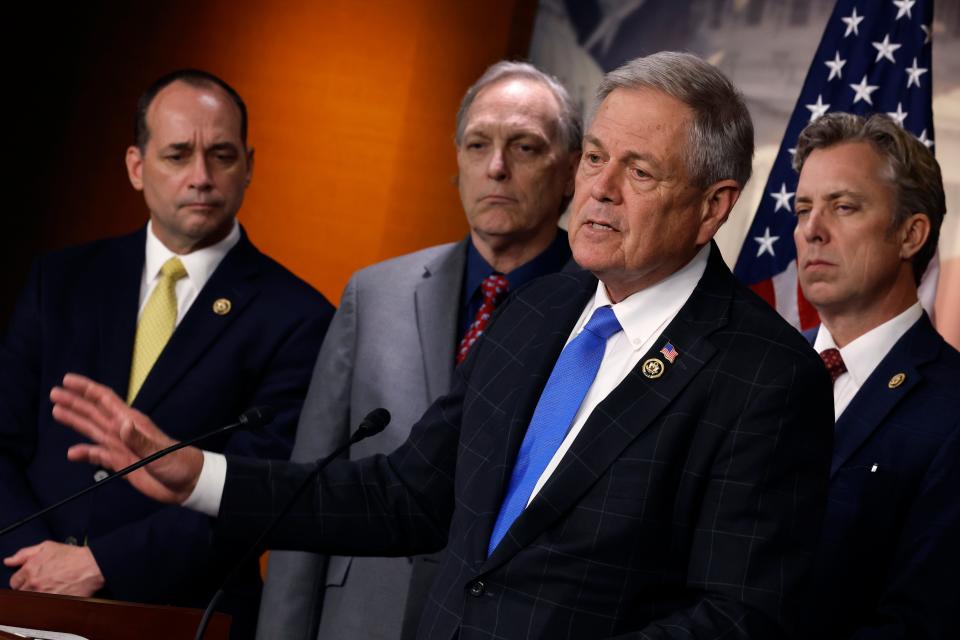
pixel 241 331
pixel 870 203
pixel 639 449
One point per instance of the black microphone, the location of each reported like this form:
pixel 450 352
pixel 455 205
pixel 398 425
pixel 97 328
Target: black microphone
pixel 372 424
pixel 249 419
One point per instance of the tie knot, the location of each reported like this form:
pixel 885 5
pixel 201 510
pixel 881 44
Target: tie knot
pixel 173 269
pixel 603 323
pixel 834 363
pixel 494 286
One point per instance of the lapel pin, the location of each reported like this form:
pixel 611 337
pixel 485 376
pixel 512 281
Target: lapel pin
pixel 669 352
pixel 653 368
pixel 897 380
pixel 873 469
pixel 222 306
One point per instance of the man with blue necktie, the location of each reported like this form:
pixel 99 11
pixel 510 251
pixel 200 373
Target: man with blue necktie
pixel 640 449
pixel 404 324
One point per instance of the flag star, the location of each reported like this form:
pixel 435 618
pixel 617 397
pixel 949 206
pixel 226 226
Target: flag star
pixel 863 91
pixel 818 109
pixel 903 8
pixel 852 21
pixel 766 243
pixel 927 142
pixel 927 33
pixel 914 74
pixel 835 66
pixel 900 115
pixel 783 198
pixel 885 49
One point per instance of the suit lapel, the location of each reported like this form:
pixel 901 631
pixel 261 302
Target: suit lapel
pixel 629 410
pixel 437 301
pixel 879 395
pixel 119 302
pixel 201 326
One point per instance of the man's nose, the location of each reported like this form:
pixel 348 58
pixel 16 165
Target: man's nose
pixel 497 165
pixel 200 174
pixel 812 226
pixel 605 187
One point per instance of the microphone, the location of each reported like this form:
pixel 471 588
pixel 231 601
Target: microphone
pixel 249 419
pixel 372 424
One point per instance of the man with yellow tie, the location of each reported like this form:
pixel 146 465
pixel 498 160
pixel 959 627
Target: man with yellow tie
pixel 188 321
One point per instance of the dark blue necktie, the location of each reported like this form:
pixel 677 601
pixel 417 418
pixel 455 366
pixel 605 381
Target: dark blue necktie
pixel 566 388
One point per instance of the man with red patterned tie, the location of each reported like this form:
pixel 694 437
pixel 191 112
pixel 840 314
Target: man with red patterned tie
pixel 405 323
pixel 870 203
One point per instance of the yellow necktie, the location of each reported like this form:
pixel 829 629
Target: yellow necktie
pixel 156 324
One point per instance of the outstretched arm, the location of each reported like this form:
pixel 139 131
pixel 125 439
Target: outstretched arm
pixel 121 435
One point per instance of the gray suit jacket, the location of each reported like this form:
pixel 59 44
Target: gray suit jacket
pixel 391 344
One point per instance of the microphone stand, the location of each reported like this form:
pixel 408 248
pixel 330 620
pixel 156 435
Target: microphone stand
pixel 249 419
pixel 372 424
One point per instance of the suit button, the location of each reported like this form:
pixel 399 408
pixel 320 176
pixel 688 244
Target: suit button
pixel 100 475
pixel 70 540
pixel 477 589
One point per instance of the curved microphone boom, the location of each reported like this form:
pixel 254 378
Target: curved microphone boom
pixel 372 424
pixel 249 419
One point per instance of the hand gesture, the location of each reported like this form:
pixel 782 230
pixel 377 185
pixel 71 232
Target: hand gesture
pixel 122 435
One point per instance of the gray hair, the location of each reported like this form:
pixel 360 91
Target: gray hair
pixel 913 172
pixel 720 138
pixel 570 126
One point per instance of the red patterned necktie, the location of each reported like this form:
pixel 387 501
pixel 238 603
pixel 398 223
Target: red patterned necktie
pixel 835 366
pixel 494 288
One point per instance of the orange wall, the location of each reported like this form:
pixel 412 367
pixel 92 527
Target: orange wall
pixel 351 106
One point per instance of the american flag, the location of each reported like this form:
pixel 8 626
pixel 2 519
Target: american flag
pixel 875 56
pixel 669 352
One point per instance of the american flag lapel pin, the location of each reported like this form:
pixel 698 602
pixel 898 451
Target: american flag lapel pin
pixel 669 352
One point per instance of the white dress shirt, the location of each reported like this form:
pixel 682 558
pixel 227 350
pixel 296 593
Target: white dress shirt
pixel 199 265
pixel 643 316
pixel 864 354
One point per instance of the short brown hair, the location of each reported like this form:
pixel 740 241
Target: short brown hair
pixel 913 171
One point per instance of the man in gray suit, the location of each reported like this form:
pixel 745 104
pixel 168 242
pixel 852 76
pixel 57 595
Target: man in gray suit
pixel 404 323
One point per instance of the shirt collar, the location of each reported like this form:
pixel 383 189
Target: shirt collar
pixel 863 355
pixel 643 313
pixel 199 264
pixel 550 260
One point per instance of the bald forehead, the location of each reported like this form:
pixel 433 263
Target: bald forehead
pixel 517 101
pixel 201 100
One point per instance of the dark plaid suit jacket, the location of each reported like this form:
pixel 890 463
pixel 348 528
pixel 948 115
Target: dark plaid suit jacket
pixel 687 507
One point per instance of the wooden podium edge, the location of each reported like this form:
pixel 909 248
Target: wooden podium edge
pixel 99 619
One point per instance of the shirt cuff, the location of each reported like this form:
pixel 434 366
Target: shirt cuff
pixel 207 494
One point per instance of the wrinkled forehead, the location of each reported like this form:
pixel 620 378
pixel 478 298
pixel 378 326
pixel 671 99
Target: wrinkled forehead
pixel 181 109
pixel 855 166
pixel 643 123
pixel 515 104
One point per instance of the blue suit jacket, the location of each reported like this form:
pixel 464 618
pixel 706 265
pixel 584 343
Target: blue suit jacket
pixel 891 536
pixel 78 313
pixel 688 506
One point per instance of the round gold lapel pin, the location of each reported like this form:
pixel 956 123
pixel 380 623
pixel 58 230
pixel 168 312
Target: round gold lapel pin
pixel 222 306
pixel 653 368
pixel 897 380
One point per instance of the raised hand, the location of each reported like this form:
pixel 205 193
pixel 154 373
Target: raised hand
pixel 122 435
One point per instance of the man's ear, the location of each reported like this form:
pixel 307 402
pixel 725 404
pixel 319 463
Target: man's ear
pixel 246 182
pixel 715 208
pixel 913 234
pixel 134 161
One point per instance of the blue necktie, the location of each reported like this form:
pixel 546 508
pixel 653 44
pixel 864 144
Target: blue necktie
pixel 569 381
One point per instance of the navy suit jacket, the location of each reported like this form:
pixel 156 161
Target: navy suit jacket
pixel 688 506
pixel 891 536
pixel 78 313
